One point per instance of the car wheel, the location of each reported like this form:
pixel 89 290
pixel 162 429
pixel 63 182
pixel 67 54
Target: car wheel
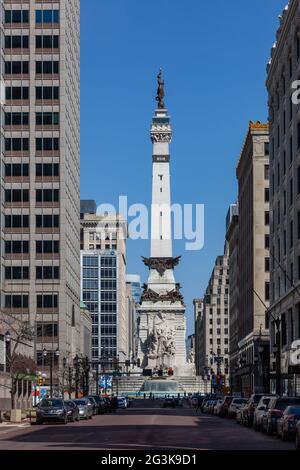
pixel 283 436
pixel 90 417
pixel 269 432
pixel 65 421
pixel 39 421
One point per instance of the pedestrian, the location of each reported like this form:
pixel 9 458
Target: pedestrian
pixel 199 402
pixel 144 396
pixel 113 404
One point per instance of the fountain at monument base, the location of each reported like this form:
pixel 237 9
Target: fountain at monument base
pixel 160 388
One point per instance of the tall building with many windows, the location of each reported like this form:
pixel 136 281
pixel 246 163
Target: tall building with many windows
pixel 103 284
pixel 251 368
pixel 40 172
pixel 284 116
pixel 213 325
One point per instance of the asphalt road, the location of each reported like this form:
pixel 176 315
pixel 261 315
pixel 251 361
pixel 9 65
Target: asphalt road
pixel 144 426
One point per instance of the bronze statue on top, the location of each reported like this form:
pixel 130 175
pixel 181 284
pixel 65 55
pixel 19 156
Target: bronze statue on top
pixel 160 91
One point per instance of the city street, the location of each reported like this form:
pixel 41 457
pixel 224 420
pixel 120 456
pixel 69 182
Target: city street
pixel 146 425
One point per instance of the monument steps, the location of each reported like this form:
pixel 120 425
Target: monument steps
pixel 134 385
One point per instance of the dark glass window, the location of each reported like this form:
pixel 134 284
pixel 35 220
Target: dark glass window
pixel 16 67
pixel 47 169
pixel 16 16
pixel 16 246
pixel 16 221
pixel 47 119
pixel 17 272
pixel 16 301
pixel 47 246
pixel 47 143
pixel 16 169
pixel 47 16
pixel 16 144
pixel 47 272
pixel 17 93
pixel 16 42
pixel 47 300
pixel 48 66
pixel 47 221
pixel 16 119
pixel 16 195
pixel 47 93
pixel 47 42
pixel 47 330
pixel 47 195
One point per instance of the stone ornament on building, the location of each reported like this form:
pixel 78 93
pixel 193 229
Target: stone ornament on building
pixel 161 137
pixel 160 342
pixel 172 296
pixel 161 264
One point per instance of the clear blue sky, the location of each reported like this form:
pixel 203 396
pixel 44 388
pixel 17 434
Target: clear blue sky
pixel 214 56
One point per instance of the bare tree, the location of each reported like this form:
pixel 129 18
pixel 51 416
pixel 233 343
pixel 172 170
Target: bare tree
pixel 18 365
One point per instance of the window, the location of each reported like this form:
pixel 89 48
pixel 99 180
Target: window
pixel 47 67
pixel 16 169
pixel 47 221
pixel 46 16
pixel 291 150
pixel 16 16
pixel 267 265
pixel 283 330
pixel 47 169
pixel 47 246
pixel 16 221
pixel 47 93
pixel 267 241
pixel 47 42
pixel 16 195
pixel 267 172
pixel 16 42
pixel 47 119
pixel 16 301
pixel 16 119
pixel 16 246
pixel 16 145
pixel 267 195
pixel 267 291
pixel 284 162
pixel 292 274
pixel 16 68
pixel 298 225
pixel 47 300
pixel 267 148
pixel 267 218
pixel 47 272
pixel 47 143
pixel 17 93
pixel 284 242
pixel 49 330
pixel 291 234
pixel 17 272
pixel 47 195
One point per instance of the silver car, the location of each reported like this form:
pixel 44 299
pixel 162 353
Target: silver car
pixel 85 408
pixel 260 410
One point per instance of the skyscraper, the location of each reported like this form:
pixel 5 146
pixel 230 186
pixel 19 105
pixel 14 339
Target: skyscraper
pixel 40 172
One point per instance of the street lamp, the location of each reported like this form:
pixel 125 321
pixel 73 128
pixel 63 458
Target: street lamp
pixel 7 337
pixel 45 355
pixel 77 369
pixel 64 361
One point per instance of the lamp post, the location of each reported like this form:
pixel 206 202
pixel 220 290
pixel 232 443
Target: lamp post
pixel 45 355
pixel 277 353
pixel 64 361
pixel 77 369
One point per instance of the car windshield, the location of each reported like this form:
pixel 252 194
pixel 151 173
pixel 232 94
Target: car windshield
pixel 265 401
pixel 239 401
pixel 96 398
pixel 81 402
pixel 293 410
pixel 70 404
pixel 256 398
pixel 51 403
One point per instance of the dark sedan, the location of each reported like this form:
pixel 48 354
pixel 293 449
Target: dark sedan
pixel 275 411
pixel 169 403
pixel 286 425
pixel 51 410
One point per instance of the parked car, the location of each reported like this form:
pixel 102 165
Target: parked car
pixel 51 409
pixel 286 425
pixel 178 402
pixel 217 406
pixel 275 411
pixel 211 406
pixel 94 403
pixel 85 408
pixel 103 406
pixel 72 410
pixel 249 409
pixel 239 415
pixel 169 403
pixel 122 403
pixel 235 405
pixel 298 435
pixel 206 406
pixel 225 406
pixel 97 399
pixel 260 410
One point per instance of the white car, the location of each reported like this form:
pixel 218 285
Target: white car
pixel 218 406
pixel 235 405
pixel 259 411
